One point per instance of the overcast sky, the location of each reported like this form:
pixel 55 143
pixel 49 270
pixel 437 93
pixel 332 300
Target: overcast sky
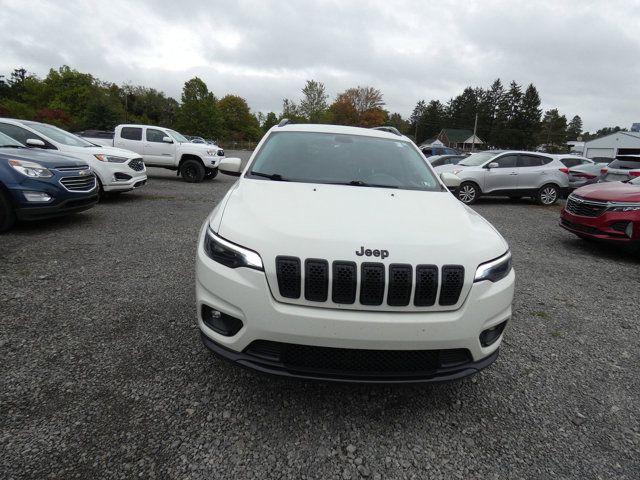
pixel 584 56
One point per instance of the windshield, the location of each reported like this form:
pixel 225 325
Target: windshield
pixel 177 136
pixel 359 160
pixel 635 181
pixel 7 141
pixel 477 159
pixel 59 136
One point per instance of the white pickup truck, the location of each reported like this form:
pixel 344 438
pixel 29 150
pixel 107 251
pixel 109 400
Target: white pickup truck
pixel 165 148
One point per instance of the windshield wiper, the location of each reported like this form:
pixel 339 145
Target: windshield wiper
pixel 271 176
pixel 360 183
pixel 12 146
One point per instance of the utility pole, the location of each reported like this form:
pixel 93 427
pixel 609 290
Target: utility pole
pixel 473 140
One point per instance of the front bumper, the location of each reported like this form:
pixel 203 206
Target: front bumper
pixel 278 367
pixel 610 226
pixel 65 207
pixel 119 177
pixel 244 294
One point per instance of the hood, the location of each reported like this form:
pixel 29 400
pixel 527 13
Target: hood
pixel 334 222
pixel 106 150
pixel 199 146
pixel 43 157
pixel 610 191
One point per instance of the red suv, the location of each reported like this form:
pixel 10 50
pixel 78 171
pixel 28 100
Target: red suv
pixel 605 211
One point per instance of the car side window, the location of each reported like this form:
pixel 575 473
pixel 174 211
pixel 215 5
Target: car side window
pixel 508 161
pixel 529 161
pixel 154 135
pixel 571 162
pixel 21 134
pixel 131 133
pixel 437 163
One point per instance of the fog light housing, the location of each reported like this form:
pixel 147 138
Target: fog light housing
pixel 629 230
pixel 490 335
pixel 122 176
pixel 220 322
pixel 37 196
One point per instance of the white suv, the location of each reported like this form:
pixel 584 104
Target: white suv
pixel 512 173
pixel 117 170
pixel 340 255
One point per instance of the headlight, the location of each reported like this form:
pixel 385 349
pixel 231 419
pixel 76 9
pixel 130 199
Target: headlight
pixel 495 269
pixel 110 158
pixel 30 169
pixel 212 153
pixel 230 254
pixel 624 208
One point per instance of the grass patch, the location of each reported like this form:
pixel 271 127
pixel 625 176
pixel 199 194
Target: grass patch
pixel 542 315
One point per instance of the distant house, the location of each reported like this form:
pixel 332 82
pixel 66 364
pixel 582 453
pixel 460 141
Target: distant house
pixel 635 127
pixel 458 138
pixel 617 143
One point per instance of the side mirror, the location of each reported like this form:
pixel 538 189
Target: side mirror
pixel 450 180
pixel 230 166
pixel 167 139
pixel 493 165
pixel 35 142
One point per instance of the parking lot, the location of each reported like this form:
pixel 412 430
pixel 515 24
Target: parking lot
pixel 104 374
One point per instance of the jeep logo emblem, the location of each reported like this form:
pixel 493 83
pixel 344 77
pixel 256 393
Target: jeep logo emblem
pixel 375 253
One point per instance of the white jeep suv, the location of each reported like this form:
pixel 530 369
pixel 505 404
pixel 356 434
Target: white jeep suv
pixel 340 255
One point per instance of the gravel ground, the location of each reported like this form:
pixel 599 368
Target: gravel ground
pixel 104 375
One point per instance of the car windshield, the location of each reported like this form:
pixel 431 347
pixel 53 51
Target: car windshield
pixel 7 141
pixel 635 181
pixel 342 159
pixel 58 135
pixel 177 136
pixel 477 159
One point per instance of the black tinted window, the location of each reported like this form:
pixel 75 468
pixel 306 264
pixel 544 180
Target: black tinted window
pixel 508 161
pixel 131 133
pixel 154 135
pixel 571 162
pixel 18 133
pixel 437 163
pixel 529 161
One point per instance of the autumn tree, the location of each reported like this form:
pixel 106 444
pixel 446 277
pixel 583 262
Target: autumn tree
pixel 360 106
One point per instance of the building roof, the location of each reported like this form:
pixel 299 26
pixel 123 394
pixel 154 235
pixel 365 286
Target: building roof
pixel 457 135
pixel 471 140
pixel 633 135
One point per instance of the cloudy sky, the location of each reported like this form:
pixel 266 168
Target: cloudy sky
pixel 583 55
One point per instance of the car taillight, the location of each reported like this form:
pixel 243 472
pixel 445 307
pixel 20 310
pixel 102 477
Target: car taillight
pixel 604 170
pixel 564 170
pixel 635 174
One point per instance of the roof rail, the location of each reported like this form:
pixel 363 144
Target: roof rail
pixel 393 130
pixel 284 121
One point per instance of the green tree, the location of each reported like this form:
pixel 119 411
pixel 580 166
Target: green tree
pixel 528 120
pixel 292 112
pixel 553 131
pixel 574 129
pixel 199 113
pixel 270 120
pixel 239 122
pixel 314 104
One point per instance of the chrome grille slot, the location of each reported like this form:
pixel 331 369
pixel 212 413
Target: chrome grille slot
pixel 584 208
pixel 79 184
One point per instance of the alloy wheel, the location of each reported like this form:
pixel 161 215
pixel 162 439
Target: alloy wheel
pixel 467 194
pixel 548 195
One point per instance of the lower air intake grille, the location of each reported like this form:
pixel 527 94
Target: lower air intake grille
pixel 316 280
pixel 452 281
pixel 426 285
pixel 288 273
pixel 356 362
pixel 344 283
pixel 372 284
pixel 400 283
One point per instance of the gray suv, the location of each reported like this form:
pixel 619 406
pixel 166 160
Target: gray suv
pixel 513 174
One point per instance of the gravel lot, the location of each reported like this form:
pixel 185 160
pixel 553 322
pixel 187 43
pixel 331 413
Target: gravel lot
pixel 104 375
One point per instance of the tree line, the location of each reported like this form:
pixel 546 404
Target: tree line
pixel 507 117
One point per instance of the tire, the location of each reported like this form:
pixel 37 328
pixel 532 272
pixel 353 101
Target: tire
pixel 7 214
pixel 192 171
pixel 100 190
pixel 211 173
pixel 468 193
pixel 548 195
